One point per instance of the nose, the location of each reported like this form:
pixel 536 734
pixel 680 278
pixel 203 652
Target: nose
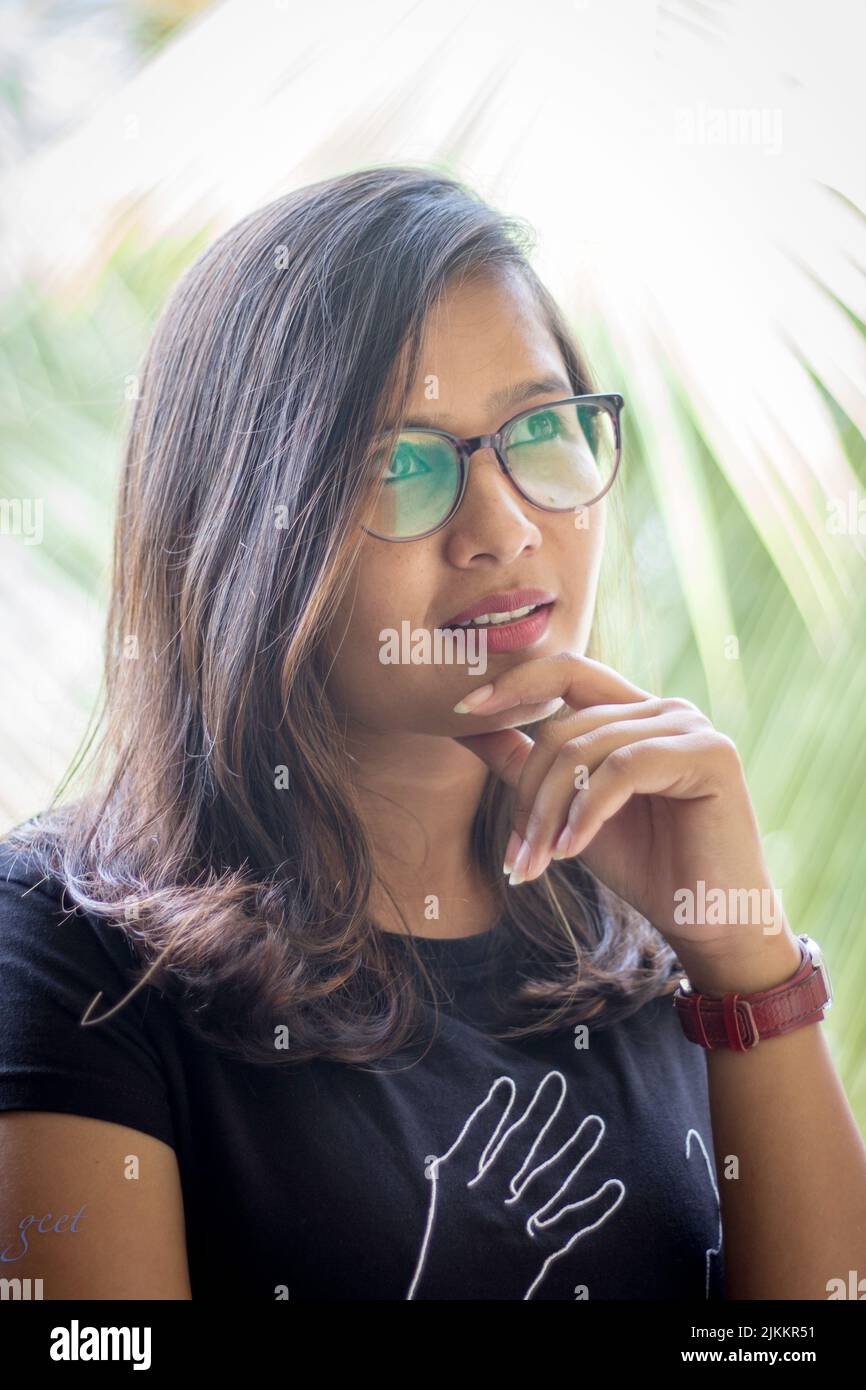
pixel 493 519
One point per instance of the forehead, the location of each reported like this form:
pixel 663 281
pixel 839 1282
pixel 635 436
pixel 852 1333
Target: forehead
pixel 483 324
pixel 484 340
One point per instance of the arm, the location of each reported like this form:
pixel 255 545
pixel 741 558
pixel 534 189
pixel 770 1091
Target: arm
pixel 795 1216
pixel 665 806
pixel 129 1242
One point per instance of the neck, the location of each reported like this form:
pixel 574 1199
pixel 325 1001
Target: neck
pixel 418 796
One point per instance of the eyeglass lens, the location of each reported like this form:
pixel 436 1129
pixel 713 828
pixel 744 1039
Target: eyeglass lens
pixel 561 457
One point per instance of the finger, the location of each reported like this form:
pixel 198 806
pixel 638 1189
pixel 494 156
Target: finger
pixel 571 777
pixel 576 729
pixel 524 764
pixel 657 767
pixel 578 680
pixel 505 751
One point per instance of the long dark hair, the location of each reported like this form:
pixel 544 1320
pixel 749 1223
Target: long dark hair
pixel 219 830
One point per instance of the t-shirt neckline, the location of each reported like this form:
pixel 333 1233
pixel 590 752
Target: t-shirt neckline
pixel 470 950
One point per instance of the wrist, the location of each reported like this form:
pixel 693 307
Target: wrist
pixel 735 1005
pixel 747 969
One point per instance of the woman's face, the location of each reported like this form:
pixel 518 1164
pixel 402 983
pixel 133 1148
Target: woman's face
pixel 482 339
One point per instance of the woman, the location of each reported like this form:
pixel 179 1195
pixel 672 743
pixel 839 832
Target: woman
pixel 273 1018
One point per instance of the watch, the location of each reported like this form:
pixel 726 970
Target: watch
pixel 740 1021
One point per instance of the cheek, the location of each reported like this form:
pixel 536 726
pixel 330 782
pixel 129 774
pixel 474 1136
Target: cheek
pixel 388 679
pixel 379 675
pixel 580 548
pixel 372 676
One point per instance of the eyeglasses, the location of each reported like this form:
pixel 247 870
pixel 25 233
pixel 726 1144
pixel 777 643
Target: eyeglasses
pixel 559 457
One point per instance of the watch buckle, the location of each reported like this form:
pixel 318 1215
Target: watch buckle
pixel 744 1013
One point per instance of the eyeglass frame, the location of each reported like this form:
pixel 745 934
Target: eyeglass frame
pixel 611 401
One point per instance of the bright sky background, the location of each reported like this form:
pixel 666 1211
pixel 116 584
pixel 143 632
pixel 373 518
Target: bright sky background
pixel 693 171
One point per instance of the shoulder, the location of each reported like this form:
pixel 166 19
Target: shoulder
pixel 19 867
pixel 63 1044
pixel 39 920
pixel 21 873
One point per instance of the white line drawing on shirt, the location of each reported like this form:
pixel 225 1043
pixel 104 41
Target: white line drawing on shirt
pixel 543 1216
pixel 714 1249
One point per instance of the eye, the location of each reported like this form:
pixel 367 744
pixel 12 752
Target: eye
pixel 543 425
pixel 538 428
pixel 405 463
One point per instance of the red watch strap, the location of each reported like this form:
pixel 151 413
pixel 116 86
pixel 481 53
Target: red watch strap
pixel 739 1021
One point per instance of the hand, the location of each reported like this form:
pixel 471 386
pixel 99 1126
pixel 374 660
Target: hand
pixel 664 805
pixel 520 1178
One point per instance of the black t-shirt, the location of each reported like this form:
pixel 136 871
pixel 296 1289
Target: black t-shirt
pixel 486 1169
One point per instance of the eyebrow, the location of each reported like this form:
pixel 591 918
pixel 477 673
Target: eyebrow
pixel 501 400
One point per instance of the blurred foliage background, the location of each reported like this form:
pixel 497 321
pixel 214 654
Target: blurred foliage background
pixel 696 184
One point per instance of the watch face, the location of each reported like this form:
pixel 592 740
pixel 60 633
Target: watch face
pixel 821 965
pixel 825 972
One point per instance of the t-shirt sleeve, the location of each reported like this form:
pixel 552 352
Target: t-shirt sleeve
pixel 52 965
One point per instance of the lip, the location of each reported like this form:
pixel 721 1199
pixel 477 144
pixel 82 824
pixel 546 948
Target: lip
pixel 510 637
pixel 501 603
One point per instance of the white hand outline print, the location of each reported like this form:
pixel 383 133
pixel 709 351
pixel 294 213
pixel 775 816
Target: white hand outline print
pixel 714 1249
pixel 553 1176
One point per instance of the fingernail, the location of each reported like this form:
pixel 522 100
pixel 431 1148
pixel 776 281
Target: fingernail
pixel 512 851
pixel 521 863
pixel 474 698
pixel 560 850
